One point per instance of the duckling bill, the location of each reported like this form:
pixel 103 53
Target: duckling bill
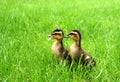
pixel 58 47
pixel 76 52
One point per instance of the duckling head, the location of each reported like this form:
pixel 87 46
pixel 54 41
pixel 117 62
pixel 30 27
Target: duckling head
pixel 56 34
pixel 75 35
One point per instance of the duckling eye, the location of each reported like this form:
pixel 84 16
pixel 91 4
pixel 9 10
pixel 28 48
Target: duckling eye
pixel 56 34
pixel 73 34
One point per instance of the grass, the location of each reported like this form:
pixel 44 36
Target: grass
pixel 25 52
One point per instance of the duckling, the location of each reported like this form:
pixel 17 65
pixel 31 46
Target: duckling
pixel 76 52
pixel 58 47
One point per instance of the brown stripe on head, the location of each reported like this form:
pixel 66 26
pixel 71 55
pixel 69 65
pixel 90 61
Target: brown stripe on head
pixel 58 31
pixel 77 32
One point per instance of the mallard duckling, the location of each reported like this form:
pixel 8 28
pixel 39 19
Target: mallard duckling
pixel 58 47
pixel 76 52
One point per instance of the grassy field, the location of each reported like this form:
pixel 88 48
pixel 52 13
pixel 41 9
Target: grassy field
pixel 25 52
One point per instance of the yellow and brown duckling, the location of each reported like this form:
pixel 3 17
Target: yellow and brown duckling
pixel 76 52
pixel 58 47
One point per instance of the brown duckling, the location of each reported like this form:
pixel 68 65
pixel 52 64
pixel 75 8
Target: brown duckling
pixel 58 47
pixel 76 52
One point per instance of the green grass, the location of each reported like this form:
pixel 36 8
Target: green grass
pixel 25 52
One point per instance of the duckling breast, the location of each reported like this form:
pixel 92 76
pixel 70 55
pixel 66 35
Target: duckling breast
pixel 57 49
pixel 74 51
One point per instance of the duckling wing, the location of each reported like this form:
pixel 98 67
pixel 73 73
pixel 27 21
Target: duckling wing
pixel 87 59
pixel 65 53
pixel 67 57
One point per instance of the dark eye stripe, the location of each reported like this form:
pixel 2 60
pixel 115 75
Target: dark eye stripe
pixel 72 34
pixel 56 34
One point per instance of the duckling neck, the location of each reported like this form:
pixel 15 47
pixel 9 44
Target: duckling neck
pixel 57 46
pixel 59 42
pixel 78 43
